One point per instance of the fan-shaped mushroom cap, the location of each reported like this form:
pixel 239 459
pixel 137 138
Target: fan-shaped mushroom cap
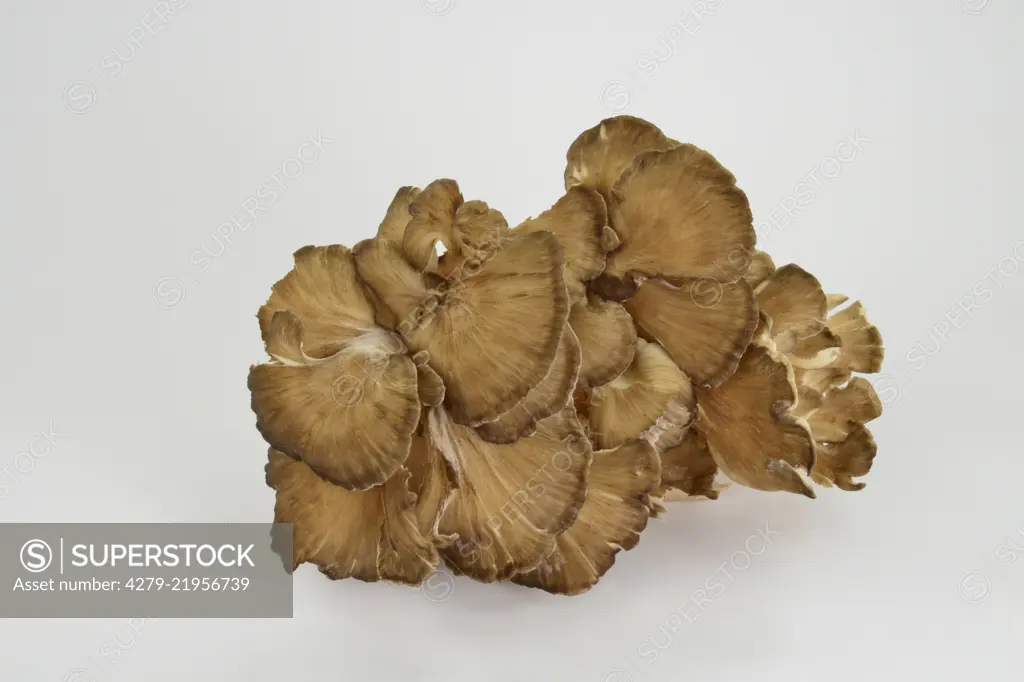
pixel 384 533
pixel 512 499
pixel 612 518
pixel 349 416
pixel 580 221
pixel 704 325
pixel 468 229
pixel 689 468
pixel 849 343
pixel 862 349
pixel 392 228
pixel 607 339
pixel 599 155
pixel 478 229
pixel 794 300
pixel 478 232
pixel 399 286
pixel 844 409
pixel 749 429
pixel 679 214
pixel 551 395
pixel 839 462
pixel 624 408
pixel 433 215
pixel 494 334
pixel 325 292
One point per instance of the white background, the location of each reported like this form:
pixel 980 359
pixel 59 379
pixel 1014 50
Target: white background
pixel 109 183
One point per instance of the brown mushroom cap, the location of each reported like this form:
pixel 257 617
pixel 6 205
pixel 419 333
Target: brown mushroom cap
pixel 392 228
pixel 679 214
pixel 607 339
pixel 862 349
pixel 611 519
pixel 513 499
pixel 494 335
pixel 349 416
pixel 849 343
pixel 376 534
pixel 468 229
pixel 478 228
pixel 397 284
pixel 844 409
pixel 599 155
pixel 839 462
pixel 551 395
pixel 795 301
pixel 704 325
pixel 689 468
pixel 478 232
pixel 433 216
pixel 580 221
pixel 749 429
pixel 325 292
pixel 624 408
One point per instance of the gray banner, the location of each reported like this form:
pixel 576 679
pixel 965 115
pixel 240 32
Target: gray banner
pixel 145 570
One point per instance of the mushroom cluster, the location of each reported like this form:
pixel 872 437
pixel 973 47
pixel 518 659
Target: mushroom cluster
pixel 520 405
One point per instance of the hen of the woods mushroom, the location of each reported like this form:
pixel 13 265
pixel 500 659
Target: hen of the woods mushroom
pixel 520 406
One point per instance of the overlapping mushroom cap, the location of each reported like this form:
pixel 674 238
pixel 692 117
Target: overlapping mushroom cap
pixel 519 406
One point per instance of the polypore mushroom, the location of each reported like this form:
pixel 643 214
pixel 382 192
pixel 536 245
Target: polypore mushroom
pixel 580 222
pixel 624 408
pixel 384 533
pixel 520 405
pixel 704 325
pixel 750 432
pixel 545 399
pixel 349 415
pixel 611 519
pixel 512 500
pixel 689 468
pixel 607 339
